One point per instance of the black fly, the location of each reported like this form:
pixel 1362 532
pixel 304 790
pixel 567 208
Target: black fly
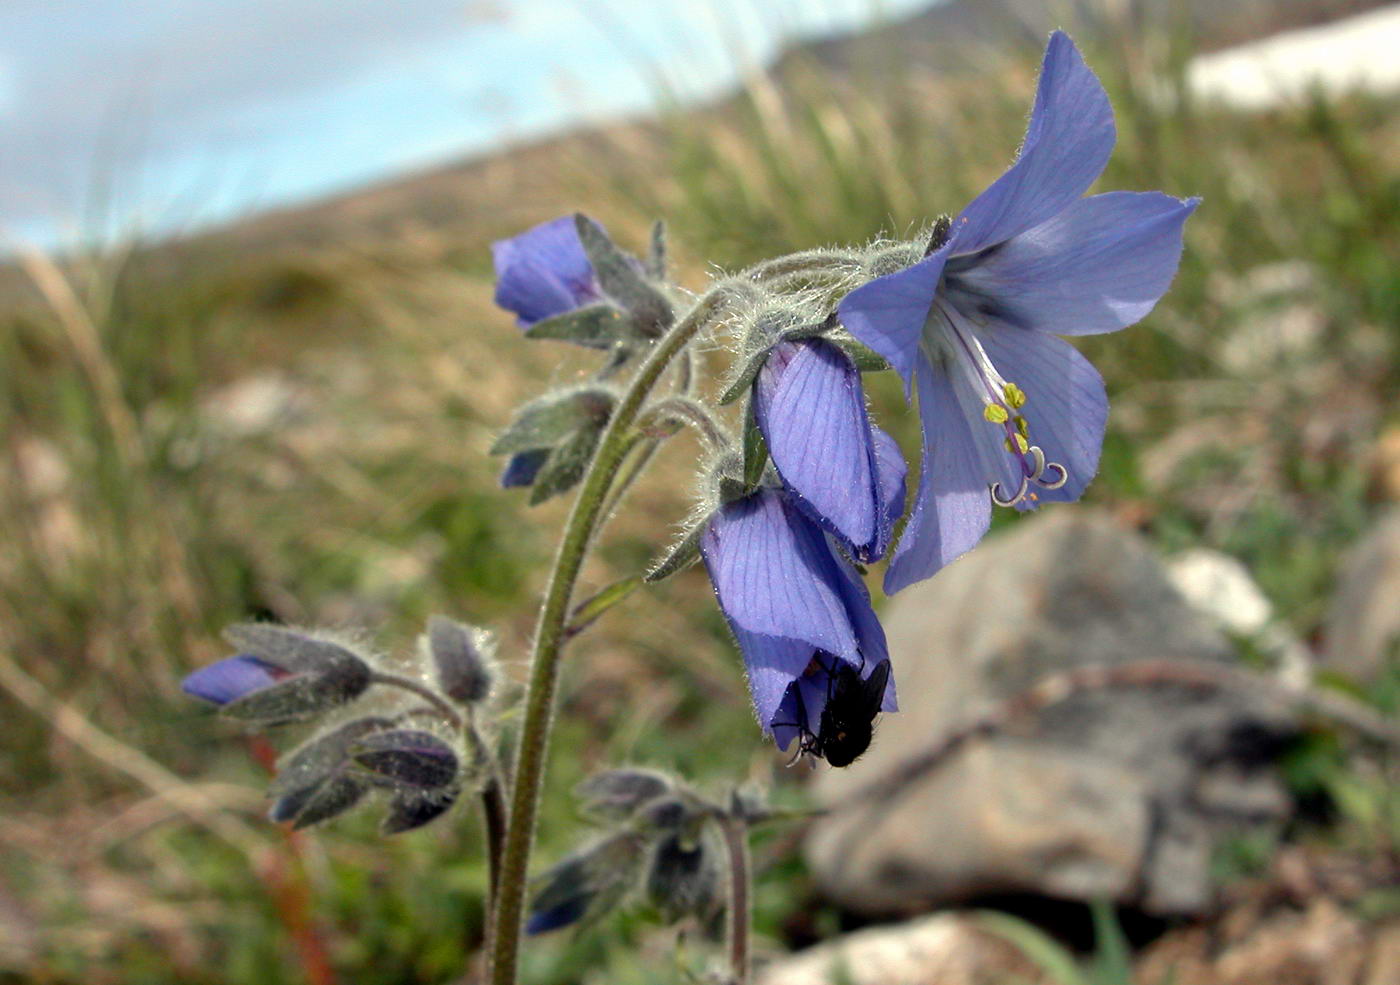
pixel 848 719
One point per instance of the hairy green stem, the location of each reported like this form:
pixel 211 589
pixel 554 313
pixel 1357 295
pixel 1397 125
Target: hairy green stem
pixel 550 635
pixel 440 706
pixel 685 411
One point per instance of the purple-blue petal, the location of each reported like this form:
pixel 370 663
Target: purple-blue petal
pixel 873 647
pixel 1068 142
pixel 952 509
pixel 523 467
pixel 888 313
pixel 1098 266
pixel 543 272
pixel 890 473
pixel 770 662
pixel 774 574
pixel 810 406
pixel 1066 406
pixel 570 911
pixel 232 678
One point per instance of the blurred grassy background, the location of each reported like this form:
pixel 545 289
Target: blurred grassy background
pixel 290 419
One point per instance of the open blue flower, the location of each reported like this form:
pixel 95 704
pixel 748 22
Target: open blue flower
pixel 796 606
pixel 1003 403
pixel 843 471
pixel 544 272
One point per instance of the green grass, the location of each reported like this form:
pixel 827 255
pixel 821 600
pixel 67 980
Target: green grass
pixel 373 501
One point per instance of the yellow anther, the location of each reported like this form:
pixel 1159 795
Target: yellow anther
pixel 1015 396
pixel 1023 426
pixel 1022 445
pixel 995 413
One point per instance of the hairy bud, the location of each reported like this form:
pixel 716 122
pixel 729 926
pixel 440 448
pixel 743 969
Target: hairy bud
pixel 464 658
pixel 615 794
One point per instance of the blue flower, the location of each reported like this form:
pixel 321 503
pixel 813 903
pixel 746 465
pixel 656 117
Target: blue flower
pixel 544 272
pixel 843 471
pixel 795 605
pixel 232 678
pixel 1004 404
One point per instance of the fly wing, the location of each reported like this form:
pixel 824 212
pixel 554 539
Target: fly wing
pixel 872 689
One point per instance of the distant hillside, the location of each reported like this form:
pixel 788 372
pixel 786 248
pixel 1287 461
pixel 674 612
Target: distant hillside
pixel 953 34
pixel 495 194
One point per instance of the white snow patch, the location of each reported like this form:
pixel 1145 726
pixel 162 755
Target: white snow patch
pixel 1359 52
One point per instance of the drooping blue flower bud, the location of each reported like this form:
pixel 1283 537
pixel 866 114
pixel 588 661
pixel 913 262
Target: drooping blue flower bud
pixel 280 675
pixel 411 757
pixel 552 439
pixel 842 470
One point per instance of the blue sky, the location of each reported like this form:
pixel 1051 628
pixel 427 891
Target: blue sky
pixel 151 115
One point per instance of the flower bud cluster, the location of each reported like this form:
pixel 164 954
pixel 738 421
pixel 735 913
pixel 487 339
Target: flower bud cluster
pixel 661 846
pixel 405 733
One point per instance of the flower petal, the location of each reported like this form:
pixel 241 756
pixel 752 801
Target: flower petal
pixel 810 406
pixel 870 635
pixel 1066 406
pixel 543 272
pixel 890 472
pixel 785 723
pixel 1098 266
pixel 774 574
pixel 1067 144
pixel 232 678
pixel 888 313
pixel 952 509
pixel 523 467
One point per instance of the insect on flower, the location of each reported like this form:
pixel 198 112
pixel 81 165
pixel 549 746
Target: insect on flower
pixel 846 723
pixel 802 618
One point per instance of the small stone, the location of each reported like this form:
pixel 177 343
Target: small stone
pixel 938 950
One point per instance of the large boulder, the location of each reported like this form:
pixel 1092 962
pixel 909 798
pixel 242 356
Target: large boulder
pixel 1117 787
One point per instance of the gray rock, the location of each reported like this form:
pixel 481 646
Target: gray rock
pixel 1119 789
pixel 1363 623
pixel 938 950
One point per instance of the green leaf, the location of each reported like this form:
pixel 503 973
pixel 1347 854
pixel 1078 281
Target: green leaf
pixel 597 326
pixel 685 553
pixel 867 360
pixel 1048 954
pixel 588 612
pixel 622 281
pixel 566 465
pixel 755 450
pixel 547 420
pixel 297 699
pixel 747 373
pixel 1113 963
